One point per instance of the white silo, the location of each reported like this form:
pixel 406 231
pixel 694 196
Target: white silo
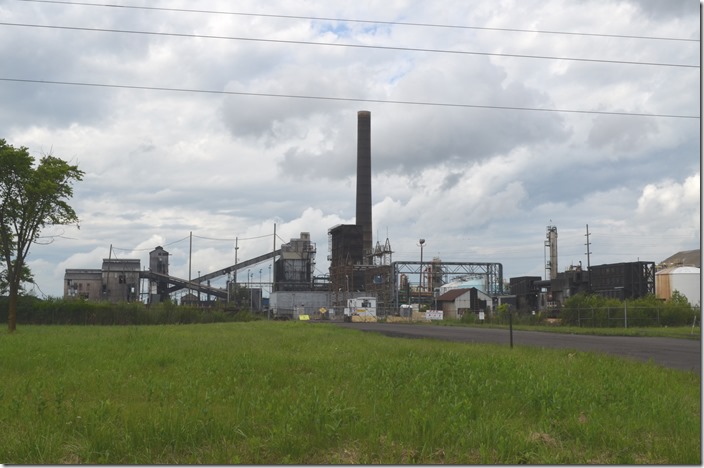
pixel 684 279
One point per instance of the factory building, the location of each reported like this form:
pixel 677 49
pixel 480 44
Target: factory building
pixel 116 281
pixel 295 265
pixel 527 292
pixel 159 284
pixel 83 284
pixel 628 280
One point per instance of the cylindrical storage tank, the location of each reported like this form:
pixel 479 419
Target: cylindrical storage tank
pixel 685 280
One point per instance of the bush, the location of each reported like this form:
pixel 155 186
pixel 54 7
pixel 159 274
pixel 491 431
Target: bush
pixel 53 311
pixel 597 311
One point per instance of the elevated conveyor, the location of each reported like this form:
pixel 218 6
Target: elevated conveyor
pixel 179 283
pixel 201 283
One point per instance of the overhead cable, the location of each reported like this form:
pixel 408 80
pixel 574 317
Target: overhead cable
pixel 343 99
pixel 364 21
pixel 356 46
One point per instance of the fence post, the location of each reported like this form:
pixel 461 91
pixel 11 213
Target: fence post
pixel 510 326
pixel 625 314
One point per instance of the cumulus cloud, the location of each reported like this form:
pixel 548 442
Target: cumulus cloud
pixel 480 184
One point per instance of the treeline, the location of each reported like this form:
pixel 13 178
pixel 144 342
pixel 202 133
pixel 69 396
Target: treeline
pixel 34 311
pixel 597 311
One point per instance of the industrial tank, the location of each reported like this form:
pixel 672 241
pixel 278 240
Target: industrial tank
pixel 685 279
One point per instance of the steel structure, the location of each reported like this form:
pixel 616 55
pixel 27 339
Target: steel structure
pixel 385 280
pixel 628 280
pixel 237 266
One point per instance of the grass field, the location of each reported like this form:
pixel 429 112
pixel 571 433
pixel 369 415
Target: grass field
pixel 305 393
pixel 685 332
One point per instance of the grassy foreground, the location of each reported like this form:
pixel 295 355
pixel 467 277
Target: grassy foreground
pixel 304 393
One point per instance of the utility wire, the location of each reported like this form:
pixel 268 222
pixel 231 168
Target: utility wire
pixel 233 240
pixel 356 46
pixel 341 99
pixel 150 249
pixel 345 20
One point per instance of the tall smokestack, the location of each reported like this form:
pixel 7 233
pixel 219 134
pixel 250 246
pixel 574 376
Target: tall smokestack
pixel 364 181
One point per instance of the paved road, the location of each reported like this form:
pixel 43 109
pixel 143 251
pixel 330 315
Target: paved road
pixel 668 352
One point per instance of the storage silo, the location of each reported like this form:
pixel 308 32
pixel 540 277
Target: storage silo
pixel 684 279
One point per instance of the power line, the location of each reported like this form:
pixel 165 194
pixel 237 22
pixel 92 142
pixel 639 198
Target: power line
pixel 341 99
pixel 149 249
pixel 233 240
pixel 347 20
pixel 356 46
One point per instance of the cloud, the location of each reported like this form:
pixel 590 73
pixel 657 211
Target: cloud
pixel 671 198
pixel 623 135
pixel 479 184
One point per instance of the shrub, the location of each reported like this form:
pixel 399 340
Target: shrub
pixel 53 311
pixel 597 311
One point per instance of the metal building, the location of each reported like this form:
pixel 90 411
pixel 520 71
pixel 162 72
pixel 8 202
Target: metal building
pixel 623 280
pixel 296 264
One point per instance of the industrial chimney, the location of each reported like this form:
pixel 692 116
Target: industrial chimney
pixel 364 182
pixel 551 247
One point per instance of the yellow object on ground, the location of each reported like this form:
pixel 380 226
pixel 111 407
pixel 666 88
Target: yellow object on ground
pixel 363 318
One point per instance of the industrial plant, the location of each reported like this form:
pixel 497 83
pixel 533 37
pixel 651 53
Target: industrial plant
pixel 365 282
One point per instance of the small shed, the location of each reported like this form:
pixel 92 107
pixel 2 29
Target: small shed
pixel 456 302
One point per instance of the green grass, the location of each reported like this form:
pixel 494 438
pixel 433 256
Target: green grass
pixel 685 332
pixel 305 393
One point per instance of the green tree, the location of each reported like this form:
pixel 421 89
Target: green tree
pixel 31 197
pixel 5 283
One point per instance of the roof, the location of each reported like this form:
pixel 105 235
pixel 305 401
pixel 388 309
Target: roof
pixel 453 294
pixel 684 258
pixel 679 270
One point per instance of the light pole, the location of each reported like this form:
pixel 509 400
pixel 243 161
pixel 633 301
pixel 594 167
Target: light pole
pixel 421 242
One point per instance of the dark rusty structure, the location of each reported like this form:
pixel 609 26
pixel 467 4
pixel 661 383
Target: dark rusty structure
pixel 629 280
pixel 364 183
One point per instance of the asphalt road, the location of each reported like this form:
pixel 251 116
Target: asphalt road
pixel 669 352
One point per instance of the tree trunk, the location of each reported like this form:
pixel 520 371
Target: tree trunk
pixel 12 306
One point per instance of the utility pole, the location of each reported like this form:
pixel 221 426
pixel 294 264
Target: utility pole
pixel 190 253
pixel 273 262
pixel 236 249
pixel 589 266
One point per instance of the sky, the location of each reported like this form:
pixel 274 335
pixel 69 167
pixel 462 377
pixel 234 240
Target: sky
pixel 490 120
